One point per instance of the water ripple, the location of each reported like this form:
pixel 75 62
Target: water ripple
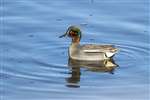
pixel 35 61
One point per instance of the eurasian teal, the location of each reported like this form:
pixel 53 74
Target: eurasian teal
pixel 87 52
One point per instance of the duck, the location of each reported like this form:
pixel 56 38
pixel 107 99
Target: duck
pixel 87 52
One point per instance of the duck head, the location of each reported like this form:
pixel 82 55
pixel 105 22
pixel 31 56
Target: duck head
pixel 73 32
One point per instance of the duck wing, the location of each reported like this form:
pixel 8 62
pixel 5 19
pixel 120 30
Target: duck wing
pixel 92 48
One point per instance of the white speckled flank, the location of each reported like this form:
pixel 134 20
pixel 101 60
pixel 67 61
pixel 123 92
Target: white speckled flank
pixel 91 52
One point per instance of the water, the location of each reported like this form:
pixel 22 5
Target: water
pixel 34 61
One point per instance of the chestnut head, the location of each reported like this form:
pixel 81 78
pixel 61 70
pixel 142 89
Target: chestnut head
pixel 74 32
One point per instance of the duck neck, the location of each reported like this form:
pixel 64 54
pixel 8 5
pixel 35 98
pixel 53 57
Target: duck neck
pixel 74 46
pixel 75 40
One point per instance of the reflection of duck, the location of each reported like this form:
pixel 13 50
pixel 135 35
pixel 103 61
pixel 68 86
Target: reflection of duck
pixel 88 52
pixel 96 66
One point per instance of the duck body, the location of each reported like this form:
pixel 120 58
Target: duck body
pixel 91 52
pixel 87 52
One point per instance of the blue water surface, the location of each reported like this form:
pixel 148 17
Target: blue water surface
pixel 34 61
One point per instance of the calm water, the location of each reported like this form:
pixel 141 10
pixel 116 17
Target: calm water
pixel 34 61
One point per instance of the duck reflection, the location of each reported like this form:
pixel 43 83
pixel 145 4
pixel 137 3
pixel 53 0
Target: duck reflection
pixel 95 66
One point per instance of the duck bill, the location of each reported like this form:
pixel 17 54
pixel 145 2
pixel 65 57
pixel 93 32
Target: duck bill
pixel 62 36
pixel 67 32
